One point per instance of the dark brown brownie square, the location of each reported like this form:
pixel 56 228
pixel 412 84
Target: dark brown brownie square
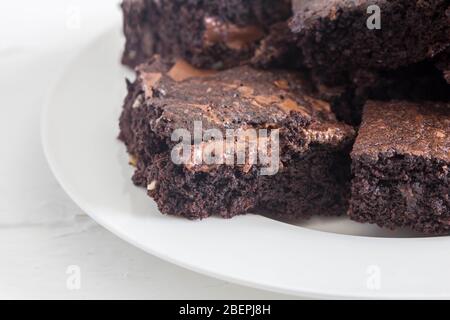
pixel 336 40
pixel 207 33
pixel 401 166
pixel 313 167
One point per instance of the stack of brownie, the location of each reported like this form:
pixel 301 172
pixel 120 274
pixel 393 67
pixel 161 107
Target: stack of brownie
pixel 356 93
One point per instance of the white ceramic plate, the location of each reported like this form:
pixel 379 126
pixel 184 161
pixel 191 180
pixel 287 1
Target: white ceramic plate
pixel 323 257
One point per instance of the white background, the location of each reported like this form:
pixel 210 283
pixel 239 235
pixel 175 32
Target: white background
pixel 42 232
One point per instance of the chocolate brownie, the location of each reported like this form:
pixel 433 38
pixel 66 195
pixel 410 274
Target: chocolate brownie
pixel 207 33
pixel 401 166
pixel 313 168
pixel 418 82
pixel 336 40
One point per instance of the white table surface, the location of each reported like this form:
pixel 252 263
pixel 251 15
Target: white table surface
pixel 42 232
